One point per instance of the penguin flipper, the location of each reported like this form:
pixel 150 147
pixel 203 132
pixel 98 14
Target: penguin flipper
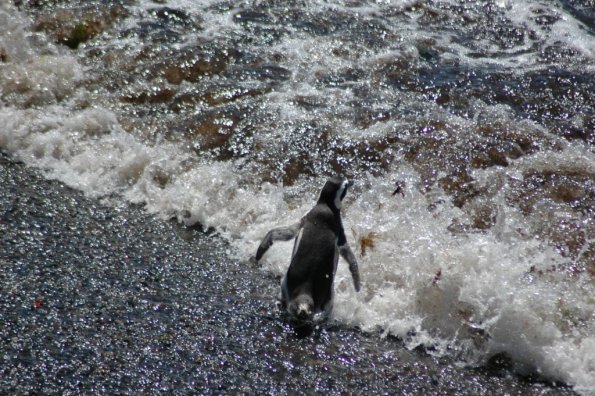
pixel 347 254
pixel 277 234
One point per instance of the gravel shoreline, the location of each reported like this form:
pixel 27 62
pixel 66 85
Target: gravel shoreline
pixel 106 300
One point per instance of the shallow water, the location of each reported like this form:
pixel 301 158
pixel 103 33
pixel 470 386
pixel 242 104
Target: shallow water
pixel 231 116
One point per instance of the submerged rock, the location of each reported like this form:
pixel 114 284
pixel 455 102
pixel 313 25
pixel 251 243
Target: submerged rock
pixel 192 64
pixel 76 25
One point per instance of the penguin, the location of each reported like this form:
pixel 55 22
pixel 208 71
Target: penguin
pixel 307 287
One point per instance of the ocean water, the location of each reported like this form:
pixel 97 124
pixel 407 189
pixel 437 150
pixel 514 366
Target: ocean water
pixel 467 127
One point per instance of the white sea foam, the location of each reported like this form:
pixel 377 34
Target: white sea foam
pixel 471 295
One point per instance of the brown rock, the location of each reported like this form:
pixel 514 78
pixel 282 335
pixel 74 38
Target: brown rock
pixel 213 129
pixel 156 95
pixel 72 26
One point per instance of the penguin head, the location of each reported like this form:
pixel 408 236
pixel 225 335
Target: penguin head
pixel 302 307
pixel 334 191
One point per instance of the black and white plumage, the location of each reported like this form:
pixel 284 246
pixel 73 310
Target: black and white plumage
pixel 307 288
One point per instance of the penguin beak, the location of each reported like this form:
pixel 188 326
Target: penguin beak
pixel 349 184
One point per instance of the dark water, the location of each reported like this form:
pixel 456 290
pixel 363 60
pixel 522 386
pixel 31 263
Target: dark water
pixel 108 300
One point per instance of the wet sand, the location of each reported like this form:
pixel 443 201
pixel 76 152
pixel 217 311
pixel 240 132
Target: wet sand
pixel 109 300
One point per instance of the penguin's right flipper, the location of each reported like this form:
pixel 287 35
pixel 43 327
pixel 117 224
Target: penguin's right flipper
pixel 277 234
pixel 347 254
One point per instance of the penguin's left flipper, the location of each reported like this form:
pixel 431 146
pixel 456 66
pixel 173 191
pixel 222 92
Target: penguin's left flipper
pixel 347 254
pixel 277 234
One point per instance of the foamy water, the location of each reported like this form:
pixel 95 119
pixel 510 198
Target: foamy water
pixel 426 278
